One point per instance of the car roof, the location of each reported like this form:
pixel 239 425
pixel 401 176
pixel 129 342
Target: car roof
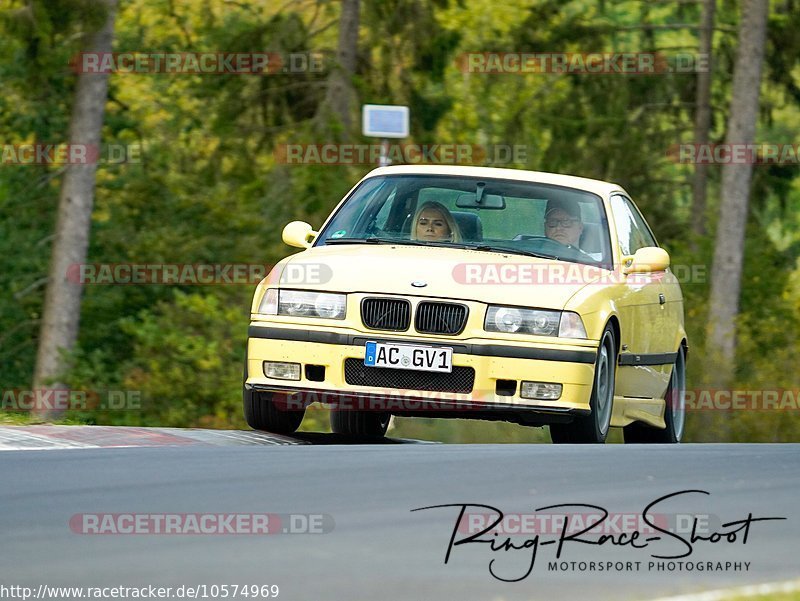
pixel 601 188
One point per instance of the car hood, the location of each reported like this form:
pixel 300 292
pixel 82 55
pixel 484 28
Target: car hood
pixel 446 273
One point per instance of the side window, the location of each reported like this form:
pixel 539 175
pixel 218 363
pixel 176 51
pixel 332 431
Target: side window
pixel 632 230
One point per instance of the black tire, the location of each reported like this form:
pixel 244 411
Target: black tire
pixel 593 428
pixel 360 423
pixel 261 412
pixel 561 433
pixel 674 411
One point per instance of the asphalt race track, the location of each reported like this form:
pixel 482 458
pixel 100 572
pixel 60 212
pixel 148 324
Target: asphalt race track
pixel 372 545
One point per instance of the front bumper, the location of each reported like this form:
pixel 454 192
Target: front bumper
pixel 569 365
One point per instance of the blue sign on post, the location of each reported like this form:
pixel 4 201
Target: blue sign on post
pixel 385 121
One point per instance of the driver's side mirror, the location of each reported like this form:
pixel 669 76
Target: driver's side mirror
pixel 299 234
pixel 646 260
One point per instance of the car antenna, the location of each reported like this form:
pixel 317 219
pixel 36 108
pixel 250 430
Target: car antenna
pixel 479 192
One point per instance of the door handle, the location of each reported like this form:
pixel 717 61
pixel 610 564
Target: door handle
pixel 661 298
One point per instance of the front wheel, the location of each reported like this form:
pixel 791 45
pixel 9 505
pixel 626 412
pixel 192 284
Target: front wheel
pixel 674 411
pixel 360 423
pixel 265 411
pixel 593 429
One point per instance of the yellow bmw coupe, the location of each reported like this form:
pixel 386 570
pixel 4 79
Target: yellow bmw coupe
pixel 471 292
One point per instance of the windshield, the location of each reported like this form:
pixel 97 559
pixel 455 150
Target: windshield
pixel 510 216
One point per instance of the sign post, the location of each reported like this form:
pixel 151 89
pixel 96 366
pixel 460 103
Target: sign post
pixel 384 121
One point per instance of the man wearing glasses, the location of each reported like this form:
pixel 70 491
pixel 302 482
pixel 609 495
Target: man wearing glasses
pixel 562 223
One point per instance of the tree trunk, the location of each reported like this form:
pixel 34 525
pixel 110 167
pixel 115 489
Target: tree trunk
pixel 341 95
pixel 62 305
pixel 726 273
pixel 702 119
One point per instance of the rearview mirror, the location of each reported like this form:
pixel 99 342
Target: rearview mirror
pixel 488 201
pixel 646 260
pixel 299 234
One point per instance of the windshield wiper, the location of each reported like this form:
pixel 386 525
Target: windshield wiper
pixel 524 253
pixel 399 241
pixel 372 240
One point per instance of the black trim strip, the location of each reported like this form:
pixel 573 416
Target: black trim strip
pixel 297 335
pixel 648 359
pixel 514 352
pixel 483 350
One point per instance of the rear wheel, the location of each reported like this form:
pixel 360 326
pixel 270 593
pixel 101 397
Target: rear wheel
pixel 674 411
pixel 360 423
pixel 594 427
pixel 265 411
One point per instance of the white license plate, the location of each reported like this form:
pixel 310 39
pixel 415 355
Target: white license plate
pixel 407 356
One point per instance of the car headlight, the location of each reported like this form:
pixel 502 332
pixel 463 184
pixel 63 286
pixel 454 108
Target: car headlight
pixel 522 321
pixel 536 322
pixel 300 303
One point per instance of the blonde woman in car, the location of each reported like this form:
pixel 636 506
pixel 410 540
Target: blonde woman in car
pixel 434 223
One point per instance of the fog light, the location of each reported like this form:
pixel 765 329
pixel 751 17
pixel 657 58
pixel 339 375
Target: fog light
pixel 282 371
pixel 540 391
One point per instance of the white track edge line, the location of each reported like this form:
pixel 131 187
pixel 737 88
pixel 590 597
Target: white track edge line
pixel 752 590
